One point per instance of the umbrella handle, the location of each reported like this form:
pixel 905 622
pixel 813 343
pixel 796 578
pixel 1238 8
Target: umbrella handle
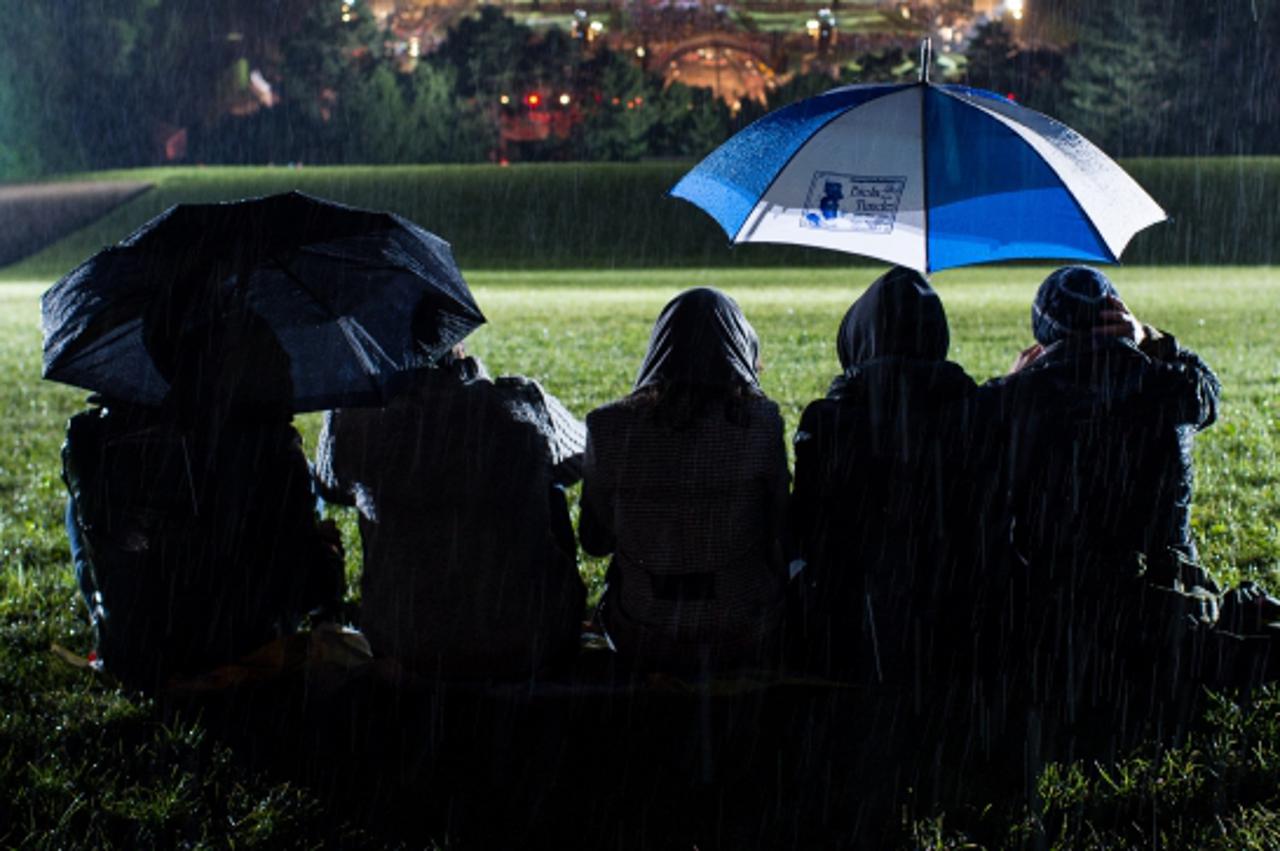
pixel 926 57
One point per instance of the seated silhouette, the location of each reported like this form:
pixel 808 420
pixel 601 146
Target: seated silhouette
pixel 194 523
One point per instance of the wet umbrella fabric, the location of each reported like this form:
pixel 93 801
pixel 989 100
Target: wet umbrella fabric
pixel 920 175
pixel 355 298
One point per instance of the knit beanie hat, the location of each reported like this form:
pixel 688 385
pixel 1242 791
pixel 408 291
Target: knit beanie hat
pixel 1068 302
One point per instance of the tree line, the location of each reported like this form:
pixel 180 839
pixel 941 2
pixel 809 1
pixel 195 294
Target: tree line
pixel 86 85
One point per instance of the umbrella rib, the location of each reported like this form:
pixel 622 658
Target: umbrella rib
pixel 924 165
pixel 813 135
pixel 302 285
pixel 369 371
pixel 421 271
pixel 336 317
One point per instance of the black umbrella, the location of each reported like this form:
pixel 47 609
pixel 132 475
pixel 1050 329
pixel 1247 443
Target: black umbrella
pixel 355 299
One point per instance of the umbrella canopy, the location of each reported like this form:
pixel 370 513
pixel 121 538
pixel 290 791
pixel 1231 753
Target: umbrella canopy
pixel 354 298
pixel 921 175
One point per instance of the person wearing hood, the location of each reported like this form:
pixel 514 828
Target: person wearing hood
pixel 470 568
pixel 884 513
pixel 685 485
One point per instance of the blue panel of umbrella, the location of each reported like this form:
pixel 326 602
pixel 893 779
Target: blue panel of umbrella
pixel 921 175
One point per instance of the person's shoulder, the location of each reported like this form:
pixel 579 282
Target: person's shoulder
pixel 620 410
pixel 1049 369
pixel 516 385
pixel 763 413
pixel 515 393
pixel 764 405
pixel 817 420
pixel 344 424
pixel 520 393
pixel 819 411
pixel 954 375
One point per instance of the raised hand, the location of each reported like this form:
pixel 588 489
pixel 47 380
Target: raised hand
pixel 1116 321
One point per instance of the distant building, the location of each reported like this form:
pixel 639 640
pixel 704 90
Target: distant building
pixel 999 8
pixel 740 50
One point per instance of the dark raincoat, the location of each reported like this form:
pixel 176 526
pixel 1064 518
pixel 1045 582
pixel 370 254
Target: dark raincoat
pixel 197 518
pixel 469 560
pixel 1107 612
pixel 1099 435
pixel 886 504
pixel 685 484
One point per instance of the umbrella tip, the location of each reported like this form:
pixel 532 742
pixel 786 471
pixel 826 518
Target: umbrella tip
pixel 926 57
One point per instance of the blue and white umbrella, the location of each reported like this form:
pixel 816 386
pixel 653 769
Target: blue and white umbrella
pixel 921 175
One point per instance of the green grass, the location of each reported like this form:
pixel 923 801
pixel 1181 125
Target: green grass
pixel 601 216
pixel 83 765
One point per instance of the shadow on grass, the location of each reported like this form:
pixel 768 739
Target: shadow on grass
pixel 604 760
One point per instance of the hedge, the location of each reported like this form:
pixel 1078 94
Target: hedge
pixel 568 215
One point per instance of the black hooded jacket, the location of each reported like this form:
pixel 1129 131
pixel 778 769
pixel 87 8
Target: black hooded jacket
pixel 884 501
pixel 1102 610
pixel 1097 436
pixel 469 565
pixel 199 517
pixel 685 485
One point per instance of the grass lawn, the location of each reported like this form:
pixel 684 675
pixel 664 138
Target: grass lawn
pixel 81 764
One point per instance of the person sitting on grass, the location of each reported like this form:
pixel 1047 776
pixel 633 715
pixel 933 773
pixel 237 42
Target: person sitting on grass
pixel 685 484
pixel 193 525
pixel 885 511
pixel 1126 400
pixel 470 567
pixel 1110 609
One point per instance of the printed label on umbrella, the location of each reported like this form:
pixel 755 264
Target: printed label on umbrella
pixel 854 203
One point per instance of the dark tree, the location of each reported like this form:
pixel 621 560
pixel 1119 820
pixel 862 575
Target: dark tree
pixel 1168 77
pixel 443 127
pixel 619 115
pixel 890 65
pixel 1121 80
pixel 1033 75
pixel 689 122
pixel 1229 100
pixel 67 84
pixel 320 56
pixel 553 60
pixel 489 53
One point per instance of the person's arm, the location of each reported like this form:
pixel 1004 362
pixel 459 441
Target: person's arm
pixel 564 435
pixel 595 515
pixel 802 507
pixel 779 499
pixel 328 482
pixel 1025 358
pixel 1201 387
pixel 1199 401
pixel 569 435
pixel 320 583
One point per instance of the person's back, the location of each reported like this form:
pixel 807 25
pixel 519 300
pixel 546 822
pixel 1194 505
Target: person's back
pixel 692 514
pixel 886 505
pixel 1096 423
pixel 685 484
pixel 197 517
pixel 197 548
pixel 469 569
pixel 1098 431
